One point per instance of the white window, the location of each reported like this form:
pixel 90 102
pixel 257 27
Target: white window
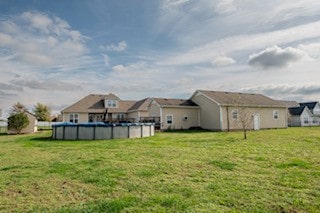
pixel 315 120
pixel 234 114
pixel 120 116
pixel 275 114
pixel 73 118
pixel 111 103
pixel 169 119
pixel 305 120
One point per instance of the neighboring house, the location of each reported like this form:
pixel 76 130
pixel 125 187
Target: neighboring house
pixel 221 111
pixel 138 112
pixel 175 113
pixel 299 116
pixel 31 128
pixel 306 114
pixel 98 108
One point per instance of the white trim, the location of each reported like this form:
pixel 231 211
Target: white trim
pixel 199 116
pixel 167 119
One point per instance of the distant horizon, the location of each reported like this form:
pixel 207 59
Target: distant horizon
pixel 56 52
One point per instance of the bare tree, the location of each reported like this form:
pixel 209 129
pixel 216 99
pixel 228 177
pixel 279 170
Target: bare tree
pixel 17 108
pixel 245 119
pixel 242 116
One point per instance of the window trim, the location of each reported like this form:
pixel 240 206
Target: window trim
pixel 234 114
pixel 169 115
pixel 111 103
pixel 275 114
pixel 74 117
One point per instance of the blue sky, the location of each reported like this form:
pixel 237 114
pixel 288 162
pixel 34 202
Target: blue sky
pixel 56 52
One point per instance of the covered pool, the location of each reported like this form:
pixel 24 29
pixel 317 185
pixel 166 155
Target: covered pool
pixel 101 131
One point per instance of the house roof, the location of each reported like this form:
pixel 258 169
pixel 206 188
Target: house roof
pixel 175 102
pixel 141 105
pixel 296 110
pixel 241 99
pixel 299 110
pixel 310 105
pixel 290 104
pixel 94 103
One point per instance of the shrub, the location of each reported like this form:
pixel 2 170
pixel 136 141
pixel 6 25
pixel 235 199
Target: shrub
pixel 18 121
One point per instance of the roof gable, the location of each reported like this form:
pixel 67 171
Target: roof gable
pixel 241 99
pixel 94 103
pixel 310 105
pixel 298 111
pixel 141 105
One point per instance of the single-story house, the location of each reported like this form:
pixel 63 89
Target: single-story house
pixel 175 113
pixel 30 128
pixel 224 111
pixel 98 108
pixel 306 114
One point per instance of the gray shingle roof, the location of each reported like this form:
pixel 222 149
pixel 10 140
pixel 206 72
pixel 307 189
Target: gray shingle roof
pixel 175 102
pixel 140 105
pixel 242 99
pixel 94 103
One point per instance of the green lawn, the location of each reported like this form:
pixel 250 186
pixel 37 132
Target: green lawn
pixel 272 171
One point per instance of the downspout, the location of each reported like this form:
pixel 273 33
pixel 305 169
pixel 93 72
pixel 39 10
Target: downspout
pixel 221 124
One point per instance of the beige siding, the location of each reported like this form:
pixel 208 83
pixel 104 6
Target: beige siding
pixel 266 117
pixel 178 117
pixel 82 117
pixel 209 112
pixel 137 115
pixel 134 115
pixel 154 110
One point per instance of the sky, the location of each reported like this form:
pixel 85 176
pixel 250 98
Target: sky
pixel 55 52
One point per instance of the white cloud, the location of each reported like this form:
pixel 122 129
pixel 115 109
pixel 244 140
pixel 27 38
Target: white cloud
pixel 204 53
pixel 106 60
pixel 121 46
pixel 223 61
pixel 313 49
pixel 225 6
pixel 119 68
pixel 37 39
pixel 276 57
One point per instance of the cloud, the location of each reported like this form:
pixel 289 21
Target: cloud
pixel 276 57
pixel 283 91
pixel 224 6
pixel 121 46
pixel 312 49
pixel 204 53
pixel 5 86
pixel 223 61
pixel 47 85
pixel 37 39
pixel 106 60
pixel 119 68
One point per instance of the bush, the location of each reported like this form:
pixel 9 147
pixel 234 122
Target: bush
pixel 18 121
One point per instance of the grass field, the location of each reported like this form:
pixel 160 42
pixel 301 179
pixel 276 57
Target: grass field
pixel 272 171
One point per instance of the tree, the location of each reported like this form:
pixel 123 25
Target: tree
pixel 18 107
pixel 42 112
pixel 245 119
pixel 243 116
pixel 18 121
